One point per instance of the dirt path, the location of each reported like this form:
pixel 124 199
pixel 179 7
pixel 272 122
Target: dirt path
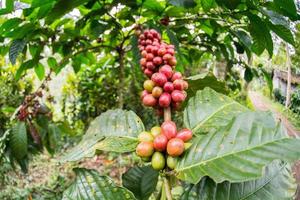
pixel 260 103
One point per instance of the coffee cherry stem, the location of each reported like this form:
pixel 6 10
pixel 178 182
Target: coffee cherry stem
pixel 167 114
pixel 167 188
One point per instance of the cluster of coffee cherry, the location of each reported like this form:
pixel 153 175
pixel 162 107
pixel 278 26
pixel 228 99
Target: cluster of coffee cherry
pixel 165 87
pixel 163 145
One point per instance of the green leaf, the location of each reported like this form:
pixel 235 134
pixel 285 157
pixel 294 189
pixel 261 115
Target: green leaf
pixel 209 109
pixel 201 81
pixel 276 184
pixel 24 66
pixel 283 32
pixel 248 75
pixel 52 63
pixel 260 33
pixel 153 5
pixel 288 7
pixel 54 137
pixel 244 38
pixel 238 151
pixel 183 3
pixel 207 4
pixel 61 8
pixel 89 185
pixel 18 141
pixel 141 181
pixel 39 71
pixel 15 48
pixel 10 24
pixel 114 130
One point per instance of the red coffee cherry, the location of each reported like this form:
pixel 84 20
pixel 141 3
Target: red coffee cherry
pixel 175 147
pixel 160 142
pixel 159 79
pixel 150 66
pixel 149 100
pixel 176 75
pixel 143 94
pixel 167 57
pixel 149 57
pixel 148 72
pixel 143 62
pixel 164 100
pixel 178 96
pixel 169 129
pixel 166 70
pixel 185 135
pixel 161 51
pixel 157 61
pixel 179 84
pixel 168 87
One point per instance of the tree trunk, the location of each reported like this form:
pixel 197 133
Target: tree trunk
pixel 289 77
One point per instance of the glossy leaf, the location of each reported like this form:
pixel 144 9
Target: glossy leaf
pixel 39 71
pixel 201 81
pixel 15 48
pixel 141 181
pixel 18 141
pixel 283 32
pixel 260 33
pixel 276 184
pixel 288 7
pixel 209 109
pixel 238 151
pixel 114 130
pixel 90 185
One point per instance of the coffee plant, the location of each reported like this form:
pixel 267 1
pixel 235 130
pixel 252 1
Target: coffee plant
pixel 223 150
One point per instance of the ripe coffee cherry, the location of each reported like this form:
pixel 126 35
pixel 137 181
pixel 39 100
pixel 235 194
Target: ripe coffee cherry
pixel 158 161
pixel 168 87
pixel 143 62
pixel 148 72
pixel 171 51
pixel 171 162
pixel 148 48
pixel 167 57
pixel 149 57
pixel 156 43
pixel 178 96
pixel 150 66
pixel 176 75
pixel 172 61
pixel 166 70
pixel 185 134
pixel 148 42
pixel 145 137
pixel 149 100
pixel 149 85
pixel 153 32
pixel 157 91
pixel 175 147
pixel 159 79
pixel 161 51
pixel 143 94
pixel 169 129
pixel 143 42
pixel 178 84
pixel 146 32
pixel 154 49
pixel 155 131
pixel 150 36
pixel 164 100
pixel 157 60
pixel 144 149
pixel 160 142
